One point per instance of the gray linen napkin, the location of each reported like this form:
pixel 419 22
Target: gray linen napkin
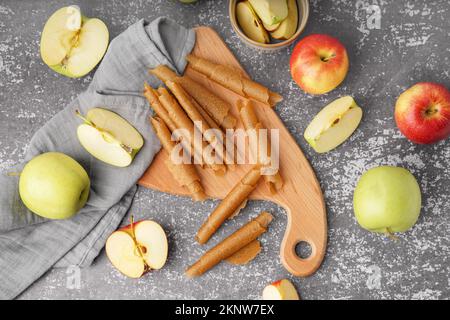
pixel 30 245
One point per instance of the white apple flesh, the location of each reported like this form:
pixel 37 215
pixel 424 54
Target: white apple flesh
pixel 72 44
pixel 122 252
pixel 333 124
pixel 153 240
pixel 109 137
pixel 54 186
pixel 138 248
pixel 280 290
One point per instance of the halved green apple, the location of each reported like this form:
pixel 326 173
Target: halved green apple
pixel 333 124
pixel 72 44
pixel 109 137
pixel 250 24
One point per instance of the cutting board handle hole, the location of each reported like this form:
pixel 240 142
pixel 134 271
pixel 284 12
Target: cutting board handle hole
pixel 303 250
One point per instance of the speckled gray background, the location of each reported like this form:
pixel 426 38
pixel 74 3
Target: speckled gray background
pixel 412 45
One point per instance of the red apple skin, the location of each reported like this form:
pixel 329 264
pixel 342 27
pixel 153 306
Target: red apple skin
pixel 422 113
pixel 129 228
pixel 276 283
pixel 319 63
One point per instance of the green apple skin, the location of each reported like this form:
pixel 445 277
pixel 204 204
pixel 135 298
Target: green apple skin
pixel 54 186
pixel 63 71
pixel 387 200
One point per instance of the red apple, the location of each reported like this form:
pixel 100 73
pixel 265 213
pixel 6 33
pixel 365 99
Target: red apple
pixel 422 113
pixel 319 63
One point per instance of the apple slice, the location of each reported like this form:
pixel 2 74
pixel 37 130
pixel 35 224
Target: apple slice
pixel 250 23
pixel 270 11
pixel 333 124
pixel 109 138
pixel 72 44
pixel 280 290
pixel 138 248
pixel 288 26
pixel 272 27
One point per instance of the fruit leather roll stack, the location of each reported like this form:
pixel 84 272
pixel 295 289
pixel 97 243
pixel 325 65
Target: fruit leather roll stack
pixel 167 107
pixel 216 107
pixel 185 174
pixel 252 124
pixel 234 80
pixel 159 109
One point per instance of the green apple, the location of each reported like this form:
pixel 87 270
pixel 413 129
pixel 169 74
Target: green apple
pixel 54 186
pixel 333 124
pixel 72 44
pixel 109 137
pixel 387 200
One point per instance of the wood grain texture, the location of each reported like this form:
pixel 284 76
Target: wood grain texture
pixel 301 195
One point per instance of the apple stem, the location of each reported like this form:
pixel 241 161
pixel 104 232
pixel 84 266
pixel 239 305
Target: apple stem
pixel 138 246
pixel 79 115
pixel 14 174
pixel 431 111
pixel 123 146
pixel 132 229
pixel 126 148
pixel 132 224
pixel 327 58
pixel 391 235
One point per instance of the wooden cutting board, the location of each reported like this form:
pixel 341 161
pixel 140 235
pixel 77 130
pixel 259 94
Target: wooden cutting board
pixel 301 195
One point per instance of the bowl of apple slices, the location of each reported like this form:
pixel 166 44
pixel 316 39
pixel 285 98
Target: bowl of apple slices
pixel 269 24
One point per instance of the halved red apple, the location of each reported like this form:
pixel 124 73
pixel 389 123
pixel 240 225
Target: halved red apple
pixel 280 290
pixel 138 248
